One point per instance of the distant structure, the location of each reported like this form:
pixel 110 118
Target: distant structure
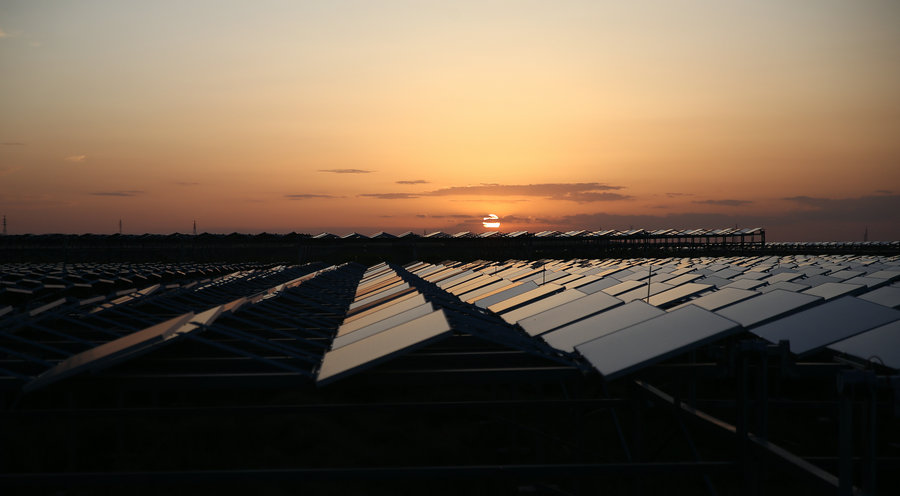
pixel 4 225
pixel 120 226
pixel 195 228
pixel 866 234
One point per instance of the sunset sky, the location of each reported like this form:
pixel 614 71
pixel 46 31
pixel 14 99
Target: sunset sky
pixel 363 115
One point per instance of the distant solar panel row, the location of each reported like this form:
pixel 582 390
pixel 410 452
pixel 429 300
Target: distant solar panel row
pixel 672 233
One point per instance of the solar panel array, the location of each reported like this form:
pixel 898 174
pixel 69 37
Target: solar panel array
pixel 324 323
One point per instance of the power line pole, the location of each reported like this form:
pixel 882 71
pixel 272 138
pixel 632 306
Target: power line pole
pixel 195 228
pixel 120 226
pixel 4 225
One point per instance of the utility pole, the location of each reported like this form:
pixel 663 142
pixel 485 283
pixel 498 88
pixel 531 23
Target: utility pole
pixel 865 234
pixel 195 228
pixel 4 225
pixel 120 226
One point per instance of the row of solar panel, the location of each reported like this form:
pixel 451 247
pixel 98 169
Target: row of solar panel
pixel 613 313
pixel 616 315
pixel 673 233
pixel 127 346
pixel 27 287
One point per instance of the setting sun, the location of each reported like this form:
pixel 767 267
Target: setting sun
pixel 491 221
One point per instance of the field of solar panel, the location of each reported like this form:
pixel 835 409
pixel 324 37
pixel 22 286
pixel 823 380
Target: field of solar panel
pixel 731 375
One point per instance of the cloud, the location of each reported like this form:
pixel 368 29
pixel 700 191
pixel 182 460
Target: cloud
pixel 390 196
pixel 346 171
pixel 577 192
pixel 130 192
pixel 12 143
pixel 307 196
pixel 724 203
pixel 676 195
pixel 415 181
pixel 186 183
pixel 883 191
pixel 76 158
pixel 453 216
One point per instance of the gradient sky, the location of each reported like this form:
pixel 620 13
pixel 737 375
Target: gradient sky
pixel 364 116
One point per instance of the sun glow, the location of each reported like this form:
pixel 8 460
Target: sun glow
pixel 491 221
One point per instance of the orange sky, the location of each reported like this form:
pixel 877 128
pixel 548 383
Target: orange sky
pixel 344 116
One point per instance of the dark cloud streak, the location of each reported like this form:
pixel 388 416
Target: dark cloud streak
pixel 347 171
pixel 125 193
pixel 577 192
pixel 724 203
pixel 390 196
pixel 307 196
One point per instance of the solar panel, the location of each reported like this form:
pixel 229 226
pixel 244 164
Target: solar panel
pixel 381 312
pixel 721 298
pixel 514 290
pixel 487 289
pixel 592 286
pixel 566 338
pixel 365 284
pixel 541 305
pixel 767 306
pixel 442 274
pixel 782 277
pixel 831 290
pixel 622 287
pixel 683 279
pixel 886 274
pixel 754 275
pixel 869 281
pixel 380 347
pixel 379 294
pixel 816 280
pixel 678 293
pixel 113 351
pixel 744 284
pixel 784 285
pixel 568 312
pixel 655 340
pixel 881 345
pixel 715 281
pixel 394 320
pixel 843 275
pixel 888 296
pixel 457 279
pixel 827 323
pixel 471 284
pixel 569 278
pixel 376 308
pixel 641 292
pixel 363 291
pixel 543 277
pixel 525 298
pixel 728 273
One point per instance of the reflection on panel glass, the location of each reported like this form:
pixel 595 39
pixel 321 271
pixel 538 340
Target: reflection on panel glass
pixel 377 348
pixel 566 338
pixel 568 312
pixel 824 324
pixel 880 345
pixel 767 306
pixel 654 340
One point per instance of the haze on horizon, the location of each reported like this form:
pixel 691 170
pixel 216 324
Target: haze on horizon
pixel 351 115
